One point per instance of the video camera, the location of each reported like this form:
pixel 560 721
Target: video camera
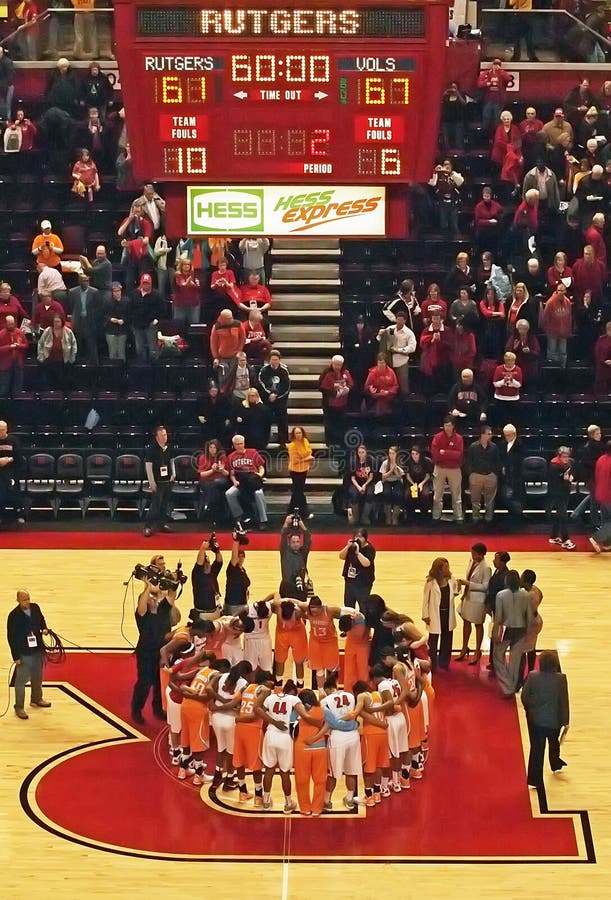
pixel 164 578
pixel 295 518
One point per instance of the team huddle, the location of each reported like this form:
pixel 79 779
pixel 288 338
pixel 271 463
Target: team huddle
pixel 227 676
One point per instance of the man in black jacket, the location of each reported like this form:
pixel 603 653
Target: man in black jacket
pixel 147 308
pixel 468 400
pixel 512 485
pixel 274 385
pixel 25 627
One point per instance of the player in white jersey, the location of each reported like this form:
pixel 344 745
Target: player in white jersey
pixel 344 741
pixel 279 710
pixel 398 726
pixel 227 696
pixel 405 672
pixel 258 643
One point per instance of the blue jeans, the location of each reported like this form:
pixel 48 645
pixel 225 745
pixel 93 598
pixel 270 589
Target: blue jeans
pixel 8 102
pixel 146 343
pixel 556 351
pixel 186 315
pixel 11 381
pixel 587 501
pixel 603 534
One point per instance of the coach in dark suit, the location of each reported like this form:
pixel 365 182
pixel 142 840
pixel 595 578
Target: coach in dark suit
pixel 545 697
pixel 25 627
pixel 87 317
pixel 512 485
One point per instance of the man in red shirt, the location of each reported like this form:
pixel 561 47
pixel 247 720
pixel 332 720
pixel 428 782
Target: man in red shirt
pixel 10 305
pixel 589 274
pixel 246 471
pixel 594 236
pixel 493 83
pixel 602 493
pixel 447 452
pixel 13 346
pixel 254 295
pixel 226 341
pixel 45 311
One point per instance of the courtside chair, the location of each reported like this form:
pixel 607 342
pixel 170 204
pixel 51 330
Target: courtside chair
pixel 70 481
pixel 98 483
pixel 127 483
pixel 40 482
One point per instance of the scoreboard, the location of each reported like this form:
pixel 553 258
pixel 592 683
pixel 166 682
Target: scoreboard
pixel 278 94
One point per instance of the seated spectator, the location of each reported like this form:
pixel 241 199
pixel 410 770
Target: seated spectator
pixel 530 128
pixel 527 350
pixel 186 296
pixel 359 495
pixel 559 272
pixel 464 348
pixel 453 107
pixel 253 252
pixel 86 180
pixel 542 180
pixel 492 311
pixel 507 380
pixel 433 302
pixel 116 322
pixel 381 388
pixel 146 311
pixel 10 306
pixel 214 413
pixel 398 343
pixel 446 184
pixel 243 377
pixel 27 129
pixel 464 309
pixel 50 282
pixel 594 237
pixel 602 362
pixel 246 473
pixel 391 477
pixel 223 283
pixel 226 341
pixel 460 275
pixel 45 310
pixel 256 345
pixel 436 349
pixel 64 91
pixel 559 480
pixel 521 307
pixel 557 324
pixel 253 418
pixel 551 131
pixel 254 294
pixel 13 347
pixel 275 386
pixel 419 481
pixel 487 219
pixel 512 484
pixel 505 135
pixel 97 91
pixel 47 247
pixel 57 350
pixel 589 275
pixel 467 399
pixel 213 474
pixel 404 301
pixel 335 384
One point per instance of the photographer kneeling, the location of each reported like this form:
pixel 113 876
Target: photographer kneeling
pixel 237 581
pixel 204 580
pixel 359 569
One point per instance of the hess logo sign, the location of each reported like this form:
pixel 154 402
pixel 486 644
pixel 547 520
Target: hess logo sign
pixel 213 211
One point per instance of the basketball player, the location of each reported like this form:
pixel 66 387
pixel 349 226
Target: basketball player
pixel 310 758
pixel 227 697
pixel 191 634
pixel 323 649
pixel 290 635
pixel 404 671
pixel 195 718
pixel 258 643
pixel 371 709
pixel 405 631
pixel 398 733
pixel 357 646
pixel 248 731
pixel 184 666
pixel 223 637
pixel 344 745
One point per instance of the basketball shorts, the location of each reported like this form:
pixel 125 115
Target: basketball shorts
pixel 295 640
pixel 172 709
pixel 195 720
pixel 224 731
pixel 232 651
pixel 398 741
pixel 258 652
pixel 345 756
pixel 375 752
pixel 323 655
pixel 247 747
pixel 277 750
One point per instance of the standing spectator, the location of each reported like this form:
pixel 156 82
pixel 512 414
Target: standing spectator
pixel 593 194
pixel 45 311
pixel 254 295
pixel 381 387
pixel 186 296
pixel 360 486
pixel 392 475
pixel 447 453
pixel 47 247
pixel 85 29
pixel 464 348
pixel 436 350
pixel 153 207
pixel 7 83
pixel 161 252
pixel 400 342
pixel 487 218
pixel 57 349
pixel 587 457
pixel 493 84
pixel 96 87
pixel 551 131
pixel 559 480
pixel 589 276
pixel 28 130
pixel 505 135
pixel 473 605
pixel 13 347
pixel 446 184
pixel 484 467
pixel 116 322
pixel 527 349
pixel 526 224
pixel 335 384
pixel 295 545
pixel 578 100
pixel 521 307
pixel 507 381
pixel 602 496
pixel 253 252
pixel 512 484
pixel 246 472
pixel 433 302
pixel 256 345
pixel 602 363
pixel 137 257
pixel 64 90
pixel 594 237
pixel 545 697
pixel 252 417
pixel 146 311
pixel 461 275
pixel 492 311
pixel 530 127
pixel 86 180
pixel 467 400
pixel 558 325
pixel 463 309
pixel 560 272
pixel 223 283
pixel 213 474
pixel 453 107
pixel 405 301
pixel 300 462
pixel 87 317
pixel 439 613
pixel 275 385
pixel 226 340
pixel 214 413
pixel 10 306
pixel 25 627
pixel 100 272
pixel 160 473
pixel 11 463
pixel 136 224
pixel 94 136
pixel 512 617
pixel 358 573
pixel 418 477
pixel 534 282
pixel 523 29
pixel 244 377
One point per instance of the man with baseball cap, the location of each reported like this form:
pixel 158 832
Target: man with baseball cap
pixel 147 310
pixel 552 130
pixel 47 247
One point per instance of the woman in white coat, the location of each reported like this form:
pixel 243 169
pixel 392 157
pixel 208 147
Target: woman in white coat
pixel 473 606
pixel 438 612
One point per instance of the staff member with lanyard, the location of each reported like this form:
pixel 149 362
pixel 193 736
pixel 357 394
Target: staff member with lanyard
pixel 359 569
pixel 160 472
pixel 25 627
pixel 204 581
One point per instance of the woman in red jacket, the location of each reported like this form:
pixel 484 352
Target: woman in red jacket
pixel 505 135
pixel 464 348
pixel 186 297
pixel 558 325
pixel 381 387
pixel 436 347
pixel 560 272
pixel 602 362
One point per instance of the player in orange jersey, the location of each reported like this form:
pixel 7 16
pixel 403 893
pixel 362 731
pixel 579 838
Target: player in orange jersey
pixel 249 735
pixel 371 708
pixel 182 668
pixel 195 718
pixel 357 646
pixel 323 648
pixel 403 670
pixel 290 635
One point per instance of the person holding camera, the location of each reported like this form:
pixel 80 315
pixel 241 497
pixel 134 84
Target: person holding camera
pixel 246 472
pixel 204 580
pixel 237 582
pixel 559 481
pixel 359 569
pixel 295 545
pixel 160 472
pixel 156 615
pixel 25 627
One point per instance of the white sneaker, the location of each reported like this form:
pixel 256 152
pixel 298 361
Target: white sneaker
pixel 396 787
pixel 596 545
pixel 554 541
pixel 568 545
pixel 360 801
pixel 385 791
pixel 349 804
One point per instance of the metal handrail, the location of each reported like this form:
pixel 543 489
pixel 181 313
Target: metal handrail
pixel 555 12
pixel 39 18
